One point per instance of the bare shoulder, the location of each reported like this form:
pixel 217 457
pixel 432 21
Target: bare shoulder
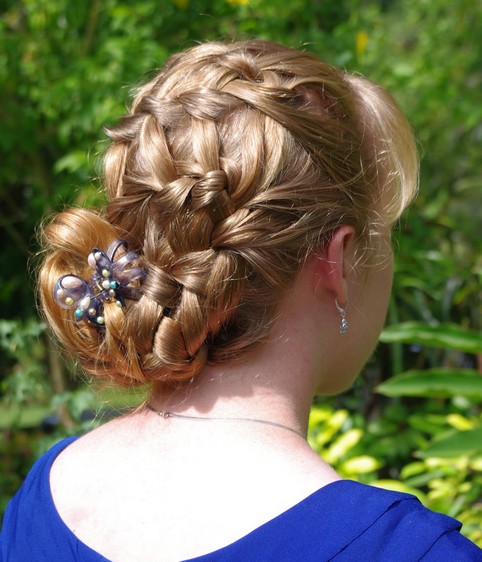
pixel 82 459
pixel 87 447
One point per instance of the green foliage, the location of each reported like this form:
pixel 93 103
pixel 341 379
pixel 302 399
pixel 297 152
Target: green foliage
pixel 451 458
pixel 446 383
pixel 66 71
pixel 24 355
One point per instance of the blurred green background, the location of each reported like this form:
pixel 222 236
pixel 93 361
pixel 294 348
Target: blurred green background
pixel 413 420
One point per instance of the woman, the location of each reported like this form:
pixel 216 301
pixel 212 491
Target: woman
pixel 242 265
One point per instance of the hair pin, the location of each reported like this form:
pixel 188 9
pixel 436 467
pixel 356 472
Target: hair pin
pixel 109 283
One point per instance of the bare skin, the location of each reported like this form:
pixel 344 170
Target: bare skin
pixel 147 488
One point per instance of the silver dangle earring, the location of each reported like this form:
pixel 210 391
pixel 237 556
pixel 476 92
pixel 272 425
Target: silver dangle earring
pixel 343 321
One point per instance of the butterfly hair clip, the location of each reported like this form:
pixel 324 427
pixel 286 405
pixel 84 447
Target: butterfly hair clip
pixel 109 283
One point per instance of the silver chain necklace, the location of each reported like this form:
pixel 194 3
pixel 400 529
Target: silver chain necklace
pixel 166 414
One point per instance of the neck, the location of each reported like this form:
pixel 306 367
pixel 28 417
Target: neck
pixel 267 386
pixel 276 382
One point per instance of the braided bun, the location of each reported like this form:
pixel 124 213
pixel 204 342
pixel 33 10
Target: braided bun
pixel 234 163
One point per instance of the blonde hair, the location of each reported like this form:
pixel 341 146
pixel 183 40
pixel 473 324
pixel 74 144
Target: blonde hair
pixel 234 164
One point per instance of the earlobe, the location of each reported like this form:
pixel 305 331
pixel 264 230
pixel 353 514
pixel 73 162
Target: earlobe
pixel 334 265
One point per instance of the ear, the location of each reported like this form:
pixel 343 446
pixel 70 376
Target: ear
pixel 334 265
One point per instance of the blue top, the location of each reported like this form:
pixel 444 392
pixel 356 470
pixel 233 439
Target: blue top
pixel 344 521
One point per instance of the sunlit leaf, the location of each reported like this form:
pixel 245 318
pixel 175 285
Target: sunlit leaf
pixel 342 445
pixel 460 422
pixel 362 464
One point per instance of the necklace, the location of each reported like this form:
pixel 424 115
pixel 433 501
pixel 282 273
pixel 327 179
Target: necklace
pixel 166 414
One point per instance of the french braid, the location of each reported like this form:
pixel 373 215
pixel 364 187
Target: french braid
pixel 234 163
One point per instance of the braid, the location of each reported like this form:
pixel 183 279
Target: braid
pixel 232 165
pixel 205 202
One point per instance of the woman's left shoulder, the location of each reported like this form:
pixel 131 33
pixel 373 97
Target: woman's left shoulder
pixel 406 530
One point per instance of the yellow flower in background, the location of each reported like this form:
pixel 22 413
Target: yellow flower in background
pixel 181 3
pixel 361 42
pixel 238 2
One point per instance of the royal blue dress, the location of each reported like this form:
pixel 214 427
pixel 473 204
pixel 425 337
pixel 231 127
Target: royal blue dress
pixel 342 522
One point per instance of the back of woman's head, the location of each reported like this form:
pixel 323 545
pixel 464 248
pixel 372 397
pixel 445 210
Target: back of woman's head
pixel 234 164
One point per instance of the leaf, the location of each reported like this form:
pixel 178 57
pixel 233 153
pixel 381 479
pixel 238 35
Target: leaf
pixel 72 162
pixel 446 336
pixel 319 415
pixel 426 423
pixel 397 486
pixel 460 422
pixel 476 464
pixel 362 464
pixel 442 383
pixel 342 445
pixel 454 444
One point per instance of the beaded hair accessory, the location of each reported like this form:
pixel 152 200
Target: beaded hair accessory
pixel 109 283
